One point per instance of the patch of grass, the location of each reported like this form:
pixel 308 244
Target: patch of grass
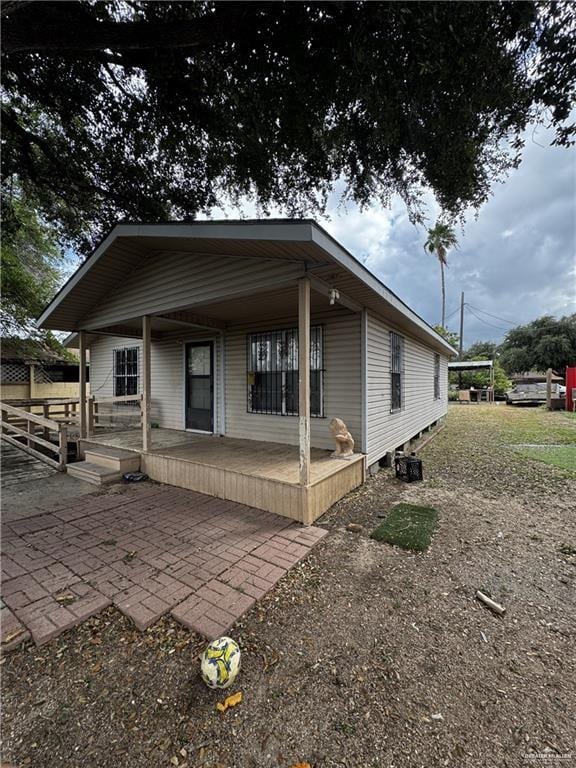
pixel 533 425
pixel 563 457
pixel 344 727
pixel 408 526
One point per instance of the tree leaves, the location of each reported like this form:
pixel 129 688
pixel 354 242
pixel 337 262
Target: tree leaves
pixel 31 266
pixel 160 110
pixel 545 343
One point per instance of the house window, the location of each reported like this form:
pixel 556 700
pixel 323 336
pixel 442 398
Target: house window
pixel 125 371
pixel 396 372
pixel 436 377
pixel 272 371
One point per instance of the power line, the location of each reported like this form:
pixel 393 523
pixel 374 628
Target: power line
pixel 483 311
pixel 498 327
pixel 452 313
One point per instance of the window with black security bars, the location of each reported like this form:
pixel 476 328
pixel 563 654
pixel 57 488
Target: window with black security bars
pixel 396 371
pixel 272 371
pixel 436 377
pixel 125 371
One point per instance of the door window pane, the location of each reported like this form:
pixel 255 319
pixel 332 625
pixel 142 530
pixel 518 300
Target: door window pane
pixel 199 361
pixel 199 387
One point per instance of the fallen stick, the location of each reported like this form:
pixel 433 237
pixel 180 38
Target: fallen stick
pixel 490 603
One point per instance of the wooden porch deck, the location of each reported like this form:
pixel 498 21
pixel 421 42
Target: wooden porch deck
pixel 260 474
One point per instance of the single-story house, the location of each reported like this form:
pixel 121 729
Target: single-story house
pixel 241 341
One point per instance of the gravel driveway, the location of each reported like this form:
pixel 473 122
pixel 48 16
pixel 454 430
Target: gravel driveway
pixel 363 655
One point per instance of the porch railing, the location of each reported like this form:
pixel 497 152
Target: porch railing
pixel 101 411
pixel 31 432
pixel 63 409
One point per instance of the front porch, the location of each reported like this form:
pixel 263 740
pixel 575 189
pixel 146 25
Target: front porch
pixel 256 473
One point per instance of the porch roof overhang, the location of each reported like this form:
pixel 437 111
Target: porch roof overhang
pixel 301 242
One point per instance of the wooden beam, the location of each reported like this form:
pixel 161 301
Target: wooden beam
pixel 190 319
pixel 90 415
pixel 63 446
pixel 321 286
pixel 82 383
pixel 146 384
pixel 121 330
pixel 32 374
pixel 304 378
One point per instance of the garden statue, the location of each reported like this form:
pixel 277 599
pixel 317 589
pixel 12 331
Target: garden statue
pixel 343 438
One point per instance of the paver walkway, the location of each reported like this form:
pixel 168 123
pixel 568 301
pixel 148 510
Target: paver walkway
pixel 149 551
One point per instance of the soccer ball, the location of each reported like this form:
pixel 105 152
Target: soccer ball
pixel 220 663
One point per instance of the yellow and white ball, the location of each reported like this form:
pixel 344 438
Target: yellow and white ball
pixel 220 663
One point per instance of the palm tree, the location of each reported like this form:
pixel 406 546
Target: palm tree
pixel 440 239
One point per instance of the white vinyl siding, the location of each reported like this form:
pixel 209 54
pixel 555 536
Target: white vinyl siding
pixel 342 385
pixel 167 373
pixel 386 431
pixel 342 381
pixel 170 281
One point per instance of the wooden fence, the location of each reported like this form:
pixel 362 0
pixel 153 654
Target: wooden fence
pixel 30 432
pixel 40 427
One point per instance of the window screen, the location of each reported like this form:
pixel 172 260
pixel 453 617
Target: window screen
pixel 396 371
pixel 272 371
pixel 125 371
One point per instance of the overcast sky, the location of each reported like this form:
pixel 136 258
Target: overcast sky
pixel 516 260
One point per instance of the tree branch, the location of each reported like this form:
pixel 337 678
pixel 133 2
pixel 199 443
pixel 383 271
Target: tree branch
pixel 20 37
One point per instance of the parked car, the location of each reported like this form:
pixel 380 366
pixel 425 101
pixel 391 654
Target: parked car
pixel 533 394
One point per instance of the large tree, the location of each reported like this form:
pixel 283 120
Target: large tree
pixel 481 350
pixel 157 110
pixel 33 265
pixel 544 343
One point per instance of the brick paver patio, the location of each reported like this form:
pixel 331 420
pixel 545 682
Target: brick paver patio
pixel 149 551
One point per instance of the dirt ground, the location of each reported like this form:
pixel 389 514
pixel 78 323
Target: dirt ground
pixel 363 655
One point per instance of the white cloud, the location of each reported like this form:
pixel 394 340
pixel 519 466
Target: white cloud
pixel 516 258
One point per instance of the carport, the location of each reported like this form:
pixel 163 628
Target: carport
pixel 474 395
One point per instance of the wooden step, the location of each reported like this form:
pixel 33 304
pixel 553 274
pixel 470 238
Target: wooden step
pixel 113 458
pixel 93 473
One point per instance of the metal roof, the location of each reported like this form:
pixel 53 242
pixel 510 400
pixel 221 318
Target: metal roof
pixel 467 365
pixel 296 240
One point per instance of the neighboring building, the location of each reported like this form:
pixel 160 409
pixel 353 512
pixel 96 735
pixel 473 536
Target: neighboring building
pixel 30 370
pixel 222 306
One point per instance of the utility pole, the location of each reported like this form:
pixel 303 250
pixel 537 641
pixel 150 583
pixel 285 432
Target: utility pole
pixel 461 342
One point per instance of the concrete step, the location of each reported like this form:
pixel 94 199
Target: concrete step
pixel 93 473
pixel 113 458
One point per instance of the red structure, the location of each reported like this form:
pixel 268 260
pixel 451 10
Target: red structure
pixel 570 386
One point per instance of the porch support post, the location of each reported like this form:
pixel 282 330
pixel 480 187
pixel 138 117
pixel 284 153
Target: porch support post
pixel 304 377
pixel 82 384
pixel 32 374
pixel 146 384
